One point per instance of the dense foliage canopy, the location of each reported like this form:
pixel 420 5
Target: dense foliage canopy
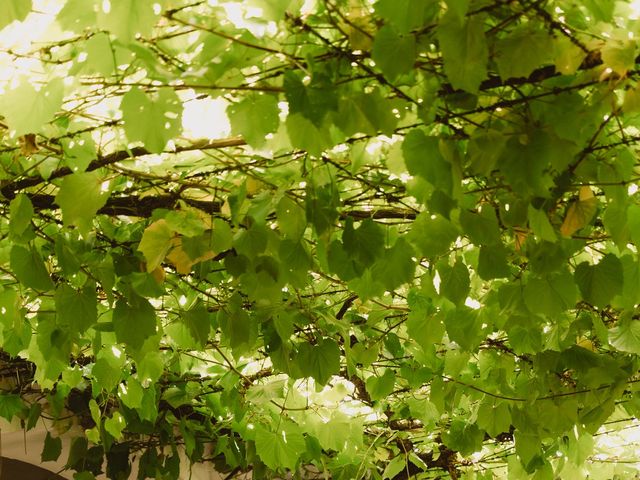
pixel 411 252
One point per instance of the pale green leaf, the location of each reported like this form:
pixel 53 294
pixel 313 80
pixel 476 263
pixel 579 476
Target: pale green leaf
pixel 155 243
pixel 281 448
pixel 254 117
pixel 626 336
pixel 127 18
pixel 115 425
pixel 26 109
pixel 152 119
pixel 21 212
pixel 80 197
pixel 13 10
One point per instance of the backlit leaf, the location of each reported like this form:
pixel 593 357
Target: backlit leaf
pixel 162 112
pixel 156 241
pixel 464 50
pixel 80 197
pixel 580 212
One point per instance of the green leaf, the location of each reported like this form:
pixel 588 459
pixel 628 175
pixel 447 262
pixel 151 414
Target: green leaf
pixel 13 10
pixel 320 361
pixel 394 467
pixel 80 197
pixel 601 282
pixel 115 425
pixel 482 227
pixel 464 326
pixel 454 281
pixel 539 223
pixel 26 109
pixel 432 235
pixel 156 241
pixel 380 387
pixel 484 149
pixel 291 218
pixel 76 15
pixel 100 55
pixel 21 213
pixel 79 152
pixel 152 119
pixel 369 113
pixel 494 416
pixel 463 437
pixel 52 448
pixel 396 265
pixel 198 321
pixel 625 336
pixel 280 448
pixel 11 406
pixel 254 117
pixel 127 18
pixel 422 157
pixel 464 50
pixel 509 58
pixel 393 52
pixel 551 295
pixel 307 136
pixel 366 243
pixel 321 206
pixel 77 309
pixel 492 262
pixel 134 322
pixel 620 56
pixel 29 268
pixel 131 393
pixel 580 212
pixel 404 15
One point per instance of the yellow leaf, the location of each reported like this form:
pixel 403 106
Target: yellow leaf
pixel 183 262
pixel 580 212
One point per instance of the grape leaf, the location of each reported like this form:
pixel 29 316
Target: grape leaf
pixel 134 322
pixel 128 18
pixel 464 50
pixel 320 361
pixel 78 309
pixel 254 117
pixel 601 282
pixel 550 295
pixel 151 119
pixel 580 212
pixel 80 197
pixel 393 53
pixel 27 109
pixel 13 10
pixel 52 448
pixel 280 448
pixel 29 268
pixel 21 212
pixel 156 241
